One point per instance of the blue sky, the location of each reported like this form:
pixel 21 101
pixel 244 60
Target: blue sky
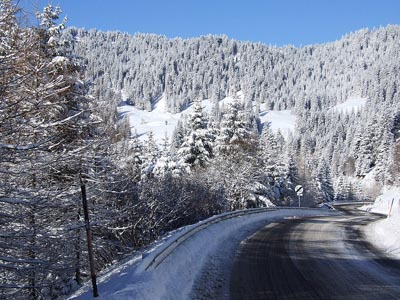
pixel 277 22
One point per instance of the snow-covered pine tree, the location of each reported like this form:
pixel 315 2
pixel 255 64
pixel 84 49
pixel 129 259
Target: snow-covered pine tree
pixel 151 153
pixel 167 164
pixel 46 131
pixel 324 183
pixel 237 165
pixel 270 152
pixel 177 137
pixel 197 148
pixel 235 135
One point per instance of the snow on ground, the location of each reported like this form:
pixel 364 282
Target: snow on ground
pixel 159 120
pixel 177 276
pixel 382 203
pixel 370 188
pixel 385 234
pixel 162 123
pixel 354 103
pixel 282 120
pixel 368 183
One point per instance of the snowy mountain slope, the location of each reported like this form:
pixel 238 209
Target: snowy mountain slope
pixel 138 61
pixel 282 120
pixel 385 234
pixel 317 82
pixel 159 120
pixel 174 277
pixel 351 104
pixel 162 123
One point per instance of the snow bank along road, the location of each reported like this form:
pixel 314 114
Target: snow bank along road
pixel 314 258
pixel 297 254
pixel 198 267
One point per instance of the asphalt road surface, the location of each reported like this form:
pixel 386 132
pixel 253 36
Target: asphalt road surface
pixel 314 258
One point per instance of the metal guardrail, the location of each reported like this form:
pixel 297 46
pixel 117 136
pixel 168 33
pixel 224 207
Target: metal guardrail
pixel 158 258
pixel 338 203
pixel 153 261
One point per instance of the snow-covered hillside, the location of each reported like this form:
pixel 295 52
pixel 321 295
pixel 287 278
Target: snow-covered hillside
pixel 159 120
pixel 162 123
pixel 279 120
pixel 352 104
pixel 385 234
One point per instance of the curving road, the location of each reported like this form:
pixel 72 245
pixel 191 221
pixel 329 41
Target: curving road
pixel 314 258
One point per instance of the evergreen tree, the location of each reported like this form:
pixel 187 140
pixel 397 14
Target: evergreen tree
pixel 48 129
pixel 197 149
pixel 150 155
pixel 235 135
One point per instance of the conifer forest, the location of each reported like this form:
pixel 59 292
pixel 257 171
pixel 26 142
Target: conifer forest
pixel 60 129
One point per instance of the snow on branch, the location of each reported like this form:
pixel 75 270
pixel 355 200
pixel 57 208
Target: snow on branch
pixel 23 147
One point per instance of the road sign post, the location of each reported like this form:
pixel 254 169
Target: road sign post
pixel 299 191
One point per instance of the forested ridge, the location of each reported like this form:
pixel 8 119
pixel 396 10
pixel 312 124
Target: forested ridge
pixel 309 81
pixel 60 128
pixel 212 67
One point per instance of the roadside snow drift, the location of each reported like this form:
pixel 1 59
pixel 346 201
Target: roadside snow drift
pixel 174 278
pixel 385 234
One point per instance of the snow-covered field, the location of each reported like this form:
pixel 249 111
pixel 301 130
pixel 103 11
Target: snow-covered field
pixel 175 277
pixel 385 234
pixel 352 104
pixel 159 120
pixel 282 120
pixel 162 123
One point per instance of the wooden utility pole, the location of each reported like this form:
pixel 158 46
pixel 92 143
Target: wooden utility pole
pixel 89 238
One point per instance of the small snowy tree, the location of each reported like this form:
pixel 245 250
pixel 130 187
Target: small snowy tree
pixel 197 148
pixel 235 134
pixel 151 153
